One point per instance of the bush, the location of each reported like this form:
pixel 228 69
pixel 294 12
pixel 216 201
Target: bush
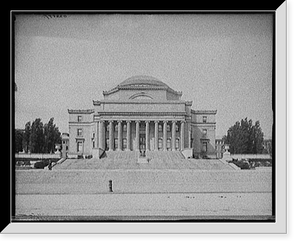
pixel 41 164
pixel 242 164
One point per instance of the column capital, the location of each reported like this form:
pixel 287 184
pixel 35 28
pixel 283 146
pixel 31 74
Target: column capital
pixel 147 121
pixel 128 121
pixel 110 121
pixel 137 121
pixel 156 121
pixel 165 121
pixel 182 121
pixel 119 121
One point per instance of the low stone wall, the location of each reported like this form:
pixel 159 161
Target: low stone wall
pixel 250 156
pixel 37 156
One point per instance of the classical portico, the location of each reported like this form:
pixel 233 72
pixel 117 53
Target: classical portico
pixel 130 135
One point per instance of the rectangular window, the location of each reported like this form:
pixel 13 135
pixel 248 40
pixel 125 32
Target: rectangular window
pixel 160 127
pixel 79 118
pixel 79 132
pixel 116 143
pixel 204 119
pixel 204 146
pixel 79 147
pixel 168 128
pixel 124 143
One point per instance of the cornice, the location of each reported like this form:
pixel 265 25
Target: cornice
pixel 141 114
pixel 140 87
pixel 208 112
pixel 88 111
pixel 98 102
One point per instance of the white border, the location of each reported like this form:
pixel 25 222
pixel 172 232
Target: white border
pixel 280 226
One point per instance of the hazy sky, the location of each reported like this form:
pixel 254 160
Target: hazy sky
pixel 221 62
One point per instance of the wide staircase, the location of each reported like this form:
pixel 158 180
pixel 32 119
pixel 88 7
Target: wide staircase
pixel 160 160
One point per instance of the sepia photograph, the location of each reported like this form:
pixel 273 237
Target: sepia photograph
pixel 144 117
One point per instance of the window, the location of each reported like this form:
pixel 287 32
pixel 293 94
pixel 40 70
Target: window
pixel 79 132
pixel 79 147
pixel 168 143
pixel 160 142
pixel 204 119
pixel 168 127
pixel 116 143
pixel 176 128
pixel 93 144
pixel 79 118
pixel 177 143
pixel 204 146
pixel 124 143
pixel 107 128
pixel 160 127
pixel 124 127
pixel 116 128
pixel 106 143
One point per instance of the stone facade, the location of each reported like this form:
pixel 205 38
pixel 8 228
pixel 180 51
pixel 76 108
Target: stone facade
pixel 142 113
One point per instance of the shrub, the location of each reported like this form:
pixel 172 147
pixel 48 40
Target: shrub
pixel 41 164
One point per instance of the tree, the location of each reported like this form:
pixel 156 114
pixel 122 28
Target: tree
pixel 37 137
pixel 245 138
pixel 18 140
pixel 26 137
pixel 52 136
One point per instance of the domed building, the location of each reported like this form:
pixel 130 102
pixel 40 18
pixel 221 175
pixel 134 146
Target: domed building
pixel 142 113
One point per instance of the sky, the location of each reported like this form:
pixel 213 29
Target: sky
pixel 220 62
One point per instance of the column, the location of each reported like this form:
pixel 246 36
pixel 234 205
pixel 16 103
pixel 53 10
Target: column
pixel 155 135
pixel 190 135
pixel 97 135
pixel 137 134
pixel 182 135
pixel 173 135
pixel 119 135
pixel 165 136
pixel 128 136
pixel 147 136
pixel 111 137
pixel 101 135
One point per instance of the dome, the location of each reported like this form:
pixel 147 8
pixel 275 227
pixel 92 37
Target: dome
pixel 143 80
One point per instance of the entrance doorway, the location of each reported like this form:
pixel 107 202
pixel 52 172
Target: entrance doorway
pixel 142 141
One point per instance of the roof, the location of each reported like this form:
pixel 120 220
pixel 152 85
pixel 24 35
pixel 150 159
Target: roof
pixel 143 80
